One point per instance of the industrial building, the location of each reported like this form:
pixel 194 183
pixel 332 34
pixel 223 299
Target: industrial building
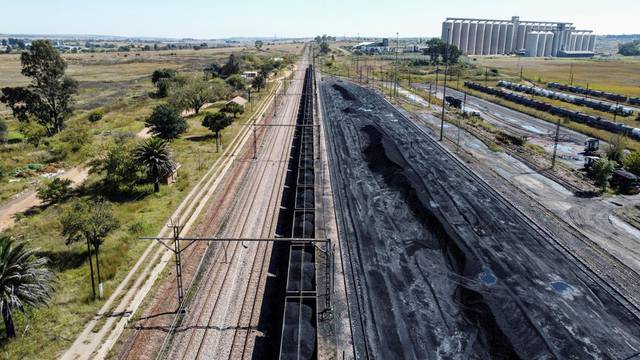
pixel 529 38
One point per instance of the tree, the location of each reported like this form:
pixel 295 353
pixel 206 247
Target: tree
pixel 122 169
pixel 166 122
pixel 55 191
pixel 324 48
pixel 434 48
pixel 632 163
pixel 90 221
pixel 232 66
pixel 259 81
pixel 233 108
pixel 24 281
pixel 451 54
pixel 155 156
pixel 630 48
pixel 33 132
pixel 615 150
pixel 439 52
pixel 162 78
pixel 220 89
pixel 602 171
pixel 258 44
pixel 49 97
pixel 216 123
pixel 236 81
pixel 192 93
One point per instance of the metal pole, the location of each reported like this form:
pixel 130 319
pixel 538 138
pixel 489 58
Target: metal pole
pixel 444 89
pixel 555 145
pixel 464 105
pixel 430 94
pixel 521 72
pixel 396 70
pixel 486 77
pixel 255 144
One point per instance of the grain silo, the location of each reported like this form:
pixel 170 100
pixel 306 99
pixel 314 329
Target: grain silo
pixel 464 37
pixel 471 45
pixel 548 44
pixel 495 37
pixel 542 42
pixel 504 37
pixel 488 30
pixel 531 44
pixel 480 38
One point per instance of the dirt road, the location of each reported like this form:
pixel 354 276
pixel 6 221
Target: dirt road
pixel 29 198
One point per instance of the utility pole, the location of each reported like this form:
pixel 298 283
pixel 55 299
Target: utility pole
pixel 429 94
pixel 555 145
pixel 396 65
pixel 571 74
pixel 521 72
pixel 486 77
pixel 437 72
pixel 444 89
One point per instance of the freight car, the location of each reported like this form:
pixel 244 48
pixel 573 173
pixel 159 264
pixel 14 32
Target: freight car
pixel 594 104
pixel 595 93
pixel 594 121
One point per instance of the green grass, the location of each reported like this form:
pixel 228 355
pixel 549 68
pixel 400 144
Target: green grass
pixel 618 74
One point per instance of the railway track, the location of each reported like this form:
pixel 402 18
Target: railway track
pixel 587 265
pixel 624 274
pixel 223 323
pixel 630 301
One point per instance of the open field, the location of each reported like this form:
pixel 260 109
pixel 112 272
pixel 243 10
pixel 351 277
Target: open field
pixel 121 87
pixel 619 74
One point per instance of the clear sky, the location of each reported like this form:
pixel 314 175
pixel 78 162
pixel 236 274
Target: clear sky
pixel 297 18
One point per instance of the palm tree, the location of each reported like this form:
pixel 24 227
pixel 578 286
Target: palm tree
pixel 24 280
pixel 155 156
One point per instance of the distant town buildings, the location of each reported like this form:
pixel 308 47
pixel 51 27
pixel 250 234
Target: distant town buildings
pixel 371 48
pixel 528 38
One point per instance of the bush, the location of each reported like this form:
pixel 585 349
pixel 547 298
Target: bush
pixel 96 115
pixel 632 163
pixel 602 171
pixel 3 131
pixel 76 136
pixel 55 191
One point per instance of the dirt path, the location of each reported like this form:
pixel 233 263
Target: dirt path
pixel 29 198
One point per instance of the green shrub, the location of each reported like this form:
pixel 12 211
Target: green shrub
pixel 55 191
pixel 632 162
pixel 96 115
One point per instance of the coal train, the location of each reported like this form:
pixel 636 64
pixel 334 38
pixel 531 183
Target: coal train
pixel 576 116
pixel 595 93
pixel 577 100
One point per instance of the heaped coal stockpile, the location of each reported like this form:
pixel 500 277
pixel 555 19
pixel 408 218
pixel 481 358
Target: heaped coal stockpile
pixel 441 266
